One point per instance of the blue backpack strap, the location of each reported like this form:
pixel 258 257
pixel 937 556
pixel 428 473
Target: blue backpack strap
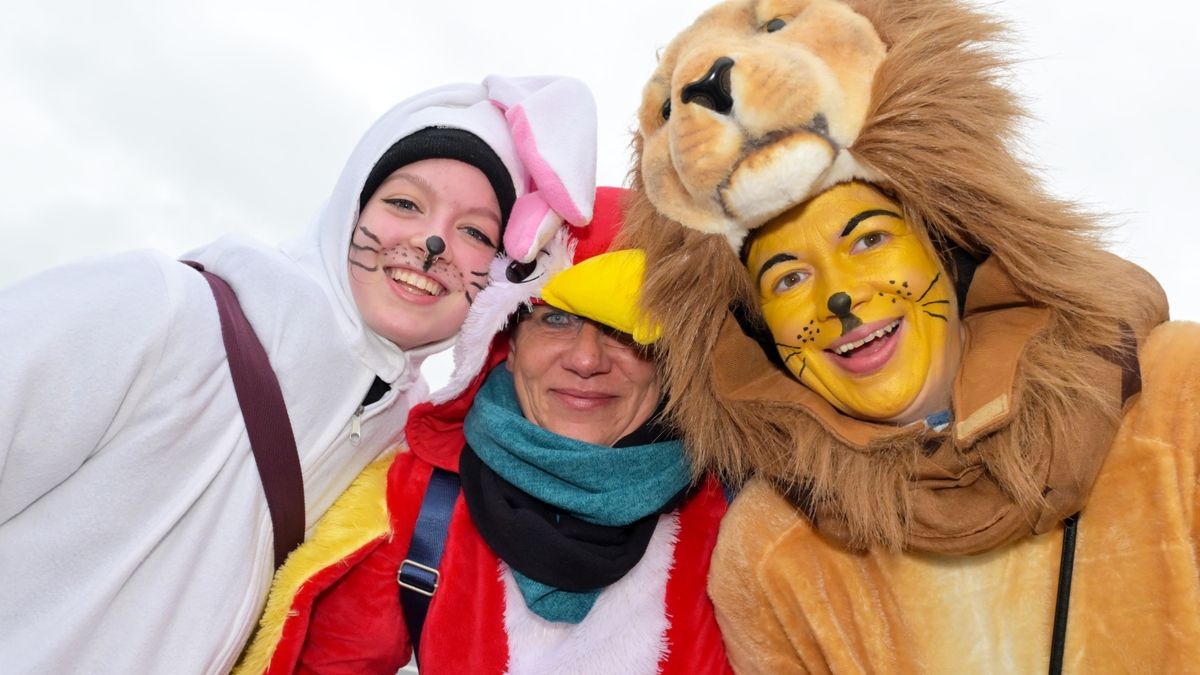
pixel 730 491
pixel 418 575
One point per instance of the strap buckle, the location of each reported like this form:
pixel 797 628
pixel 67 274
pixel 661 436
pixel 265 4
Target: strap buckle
pixel 418 578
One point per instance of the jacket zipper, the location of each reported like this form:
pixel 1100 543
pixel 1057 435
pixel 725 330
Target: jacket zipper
pixel 356 426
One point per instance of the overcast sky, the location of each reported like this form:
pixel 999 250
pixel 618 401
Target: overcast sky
pixel 142 123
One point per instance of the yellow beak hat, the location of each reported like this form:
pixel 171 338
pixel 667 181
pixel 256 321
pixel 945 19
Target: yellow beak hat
pixel 575 272
pixel 602 285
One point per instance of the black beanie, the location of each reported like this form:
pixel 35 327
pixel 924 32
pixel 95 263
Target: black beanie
pixel 444 143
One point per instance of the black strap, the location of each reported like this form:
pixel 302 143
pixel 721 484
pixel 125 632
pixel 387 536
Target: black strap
pixel 1062 605
pixel 1126 357
pixel 265 416
pixel 418 575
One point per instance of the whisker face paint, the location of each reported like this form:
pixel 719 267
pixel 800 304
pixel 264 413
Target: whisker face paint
pixel 849 278
pixel 421 248
pixel 363 254
pixel 376 266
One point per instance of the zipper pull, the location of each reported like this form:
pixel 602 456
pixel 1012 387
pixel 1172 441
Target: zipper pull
pixel 356 426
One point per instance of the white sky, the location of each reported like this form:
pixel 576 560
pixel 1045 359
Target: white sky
pixel 142 123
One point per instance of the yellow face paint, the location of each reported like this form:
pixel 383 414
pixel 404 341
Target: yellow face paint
pixel 858 304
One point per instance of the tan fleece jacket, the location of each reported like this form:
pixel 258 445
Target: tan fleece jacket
pixel 789 601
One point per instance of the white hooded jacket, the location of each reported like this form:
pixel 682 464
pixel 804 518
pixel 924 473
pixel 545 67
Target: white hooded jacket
pixel 134 535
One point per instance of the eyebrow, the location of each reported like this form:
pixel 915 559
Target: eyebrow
pixel 412 178
pixel 864 215
pixel 775 260
pixel 424 185
pixel 484 212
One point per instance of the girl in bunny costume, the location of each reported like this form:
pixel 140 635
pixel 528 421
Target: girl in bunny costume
pixel 134 533
pixel 336 606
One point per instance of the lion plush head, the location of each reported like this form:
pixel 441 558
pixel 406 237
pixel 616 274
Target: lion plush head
pixel 753 109
pixel 762 105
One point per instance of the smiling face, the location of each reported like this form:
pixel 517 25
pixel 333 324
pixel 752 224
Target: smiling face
pixel 579 379
pixel 859 307
pixel 405 290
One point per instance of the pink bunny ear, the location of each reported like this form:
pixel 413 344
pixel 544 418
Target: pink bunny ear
pixel 553 126
pixel 532 223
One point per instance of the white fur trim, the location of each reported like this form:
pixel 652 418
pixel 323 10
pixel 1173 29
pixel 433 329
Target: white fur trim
pixel 492 307
pixel 845 167
pixel 625 632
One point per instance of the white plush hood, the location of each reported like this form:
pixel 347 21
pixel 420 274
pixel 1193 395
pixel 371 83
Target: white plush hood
pixel 490 111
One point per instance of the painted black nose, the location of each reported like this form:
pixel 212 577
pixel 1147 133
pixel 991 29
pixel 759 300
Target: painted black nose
pixel 713 91
pixel 839 304
pixel 434 246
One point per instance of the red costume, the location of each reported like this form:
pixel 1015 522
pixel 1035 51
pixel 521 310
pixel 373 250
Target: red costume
pixel 335 606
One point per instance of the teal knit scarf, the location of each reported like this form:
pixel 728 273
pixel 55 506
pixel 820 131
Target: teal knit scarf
pixel 597 484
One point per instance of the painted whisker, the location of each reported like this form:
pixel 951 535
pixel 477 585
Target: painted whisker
pixel 370 234
pixel 930 288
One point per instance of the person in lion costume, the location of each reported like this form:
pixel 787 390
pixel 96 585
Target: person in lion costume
pixel 969 431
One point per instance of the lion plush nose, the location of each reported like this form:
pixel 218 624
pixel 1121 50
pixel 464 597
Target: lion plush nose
pixel 712 91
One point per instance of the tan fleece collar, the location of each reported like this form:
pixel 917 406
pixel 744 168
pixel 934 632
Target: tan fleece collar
pixel 1007 467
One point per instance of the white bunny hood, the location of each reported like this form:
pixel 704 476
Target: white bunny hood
pixel 542 128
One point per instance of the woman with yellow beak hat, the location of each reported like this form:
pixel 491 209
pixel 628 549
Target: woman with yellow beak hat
pixel 580 537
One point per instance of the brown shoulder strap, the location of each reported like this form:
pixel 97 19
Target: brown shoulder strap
pixel 265 416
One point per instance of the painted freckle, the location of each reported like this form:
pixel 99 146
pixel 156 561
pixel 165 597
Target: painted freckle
pixel 891 282
pixel 905 284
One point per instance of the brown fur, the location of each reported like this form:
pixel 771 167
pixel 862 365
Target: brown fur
pixel 941 130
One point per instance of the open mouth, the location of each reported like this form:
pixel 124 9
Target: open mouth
pixel 866 349
pixel 415 282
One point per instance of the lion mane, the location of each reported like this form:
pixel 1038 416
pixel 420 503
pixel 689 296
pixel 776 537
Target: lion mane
pixel 940 134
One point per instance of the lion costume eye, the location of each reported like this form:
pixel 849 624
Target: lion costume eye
pixel 666 110
pixel 774 25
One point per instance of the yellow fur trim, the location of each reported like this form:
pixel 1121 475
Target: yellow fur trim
pixel 359 516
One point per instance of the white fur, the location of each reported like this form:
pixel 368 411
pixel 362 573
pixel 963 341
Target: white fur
pixel 625 632
pixel 777 188
pixel 492 307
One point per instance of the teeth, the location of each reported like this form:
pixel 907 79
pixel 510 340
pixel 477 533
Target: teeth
pixel 419 281
pixel 851 346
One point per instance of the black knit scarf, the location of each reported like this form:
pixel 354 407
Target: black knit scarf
pixel 552 547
